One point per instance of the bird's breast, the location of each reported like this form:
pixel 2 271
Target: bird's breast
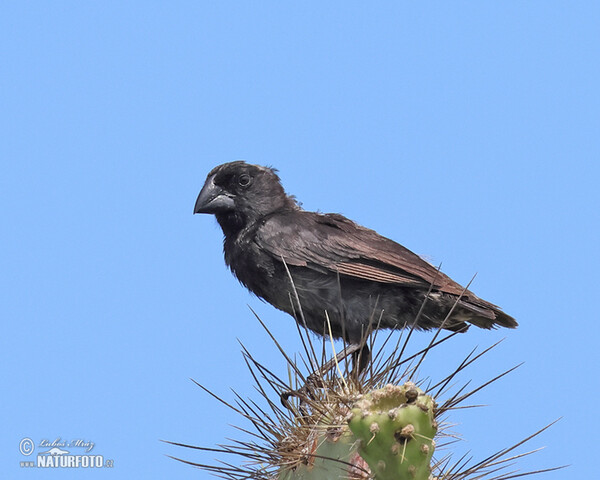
pixel 252 267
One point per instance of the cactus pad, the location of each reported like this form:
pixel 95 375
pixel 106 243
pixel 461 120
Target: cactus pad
pixel 395 427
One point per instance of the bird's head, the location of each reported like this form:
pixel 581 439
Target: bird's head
pixel 238 193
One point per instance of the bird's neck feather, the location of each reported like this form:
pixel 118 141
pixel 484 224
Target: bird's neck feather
pixel 235 221
pixel 232 223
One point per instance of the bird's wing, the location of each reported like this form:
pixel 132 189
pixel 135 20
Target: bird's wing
pixel 331 242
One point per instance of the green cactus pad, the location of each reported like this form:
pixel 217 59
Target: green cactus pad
pixel 395 427
pixel 387 435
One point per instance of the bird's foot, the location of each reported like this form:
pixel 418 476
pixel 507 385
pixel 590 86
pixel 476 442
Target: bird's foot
pixel 304 394
pixel 361 357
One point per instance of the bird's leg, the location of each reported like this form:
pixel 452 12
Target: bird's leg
pixel 361 356
pixel 360 359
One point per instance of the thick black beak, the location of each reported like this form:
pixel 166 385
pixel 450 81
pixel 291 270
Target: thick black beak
pixel 213 199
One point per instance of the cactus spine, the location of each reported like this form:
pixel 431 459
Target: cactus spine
pixel 343 426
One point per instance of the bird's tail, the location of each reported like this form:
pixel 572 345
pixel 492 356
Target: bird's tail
pixel 485 315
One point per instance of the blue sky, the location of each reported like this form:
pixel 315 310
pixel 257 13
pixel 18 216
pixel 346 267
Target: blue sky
pixel 466 131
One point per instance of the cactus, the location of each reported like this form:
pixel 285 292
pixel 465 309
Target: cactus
pixel 387 434
pixel 395 427
pixel 339 425
pixel 331 451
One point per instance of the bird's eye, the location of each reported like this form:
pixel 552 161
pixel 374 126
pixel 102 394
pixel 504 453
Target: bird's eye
pixel 244 180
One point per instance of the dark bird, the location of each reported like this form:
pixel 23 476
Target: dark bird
pixel 283 254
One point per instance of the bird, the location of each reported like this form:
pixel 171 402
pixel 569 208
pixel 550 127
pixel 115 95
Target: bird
pixel 340 278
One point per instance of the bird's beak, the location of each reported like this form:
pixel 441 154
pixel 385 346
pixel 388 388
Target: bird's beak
pixel 213 199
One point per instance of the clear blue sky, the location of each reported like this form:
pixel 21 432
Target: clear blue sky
pixel 468 131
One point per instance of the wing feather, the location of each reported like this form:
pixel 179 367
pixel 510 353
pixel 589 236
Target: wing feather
pixel 334 243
